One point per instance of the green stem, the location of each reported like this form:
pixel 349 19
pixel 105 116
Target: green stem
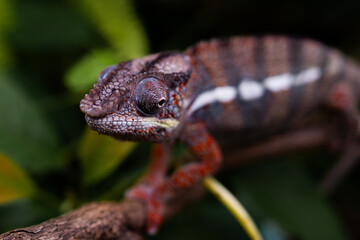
pixel 234 206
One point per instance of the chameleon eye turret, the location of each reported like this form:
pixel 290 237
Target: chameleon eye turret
pixel 151 95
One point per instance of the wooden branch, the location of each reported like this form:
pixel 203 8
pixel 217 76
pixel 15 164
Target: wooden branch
pixel 92 221
pixel 126 220
pixel 107 220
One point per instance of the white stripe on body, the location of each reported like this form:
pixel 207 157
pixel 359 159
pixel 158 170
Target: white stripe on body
pixel 249 89
pixel 308 76
pixel 219 94
pixel 279 83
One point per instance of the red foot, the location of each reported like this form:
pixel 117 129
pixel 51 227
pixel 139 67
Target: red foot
pixel 154 205
pixel 155 212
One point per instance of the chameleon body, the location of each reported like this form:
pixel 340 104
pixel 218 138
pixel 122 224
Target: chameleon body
pixel 243 85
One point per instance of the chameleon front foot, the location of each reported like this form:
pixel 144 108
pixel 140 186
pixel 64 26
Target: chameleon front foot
pixel 154 205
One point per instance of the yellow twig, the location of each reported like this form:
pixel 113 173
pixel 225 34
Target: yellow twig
pixel 234 206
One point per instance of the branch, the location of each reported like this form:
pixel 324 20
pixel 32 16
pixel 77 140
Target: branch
pixel 92 221
pixel 123 221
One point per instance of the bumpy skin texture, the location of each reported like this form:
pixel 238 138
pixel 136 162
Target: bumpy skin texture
pixel 247 85
pixel 139 100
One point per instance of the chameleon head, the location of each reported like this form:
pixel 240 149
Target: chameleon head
pixel 139 100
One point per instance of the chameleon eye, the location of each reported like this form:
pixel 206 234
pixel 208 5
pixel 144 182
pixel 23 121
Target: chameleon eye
pixel 151 95
pixel 104 73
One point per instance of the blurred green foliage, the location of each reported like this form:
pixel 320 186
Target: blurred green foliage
pixel 101 155
pixel 14 182
pixel 6 20
pixel 50 55
pixel 30 139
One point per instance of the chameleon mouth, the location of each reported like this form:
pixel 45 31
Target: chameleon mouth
pixel 164 123
pixel 124 121
pixel 131 127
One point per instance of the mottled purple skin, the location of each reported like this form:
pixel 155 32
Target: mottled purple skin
pixel 111 106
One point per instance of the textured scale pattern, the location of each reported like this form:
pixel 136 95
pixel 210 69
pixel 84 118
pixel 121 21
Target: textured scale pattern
pixel 239 85
pixel 111 107
pixel 274 80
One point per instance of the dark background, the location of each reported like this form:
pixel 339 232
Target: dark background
pixel 178 24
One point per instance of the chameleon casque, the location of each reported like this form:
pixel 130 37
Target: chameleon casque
pixel 249 87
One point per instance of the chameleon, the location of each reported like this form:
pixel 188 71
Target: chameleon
pixel 246 87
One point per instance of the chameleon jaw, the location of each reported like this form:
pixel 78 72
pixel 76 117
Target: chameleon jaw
pixel 133 128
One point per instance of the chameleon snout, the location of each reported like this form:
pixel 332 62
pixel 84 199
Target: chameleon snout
pixel 93 106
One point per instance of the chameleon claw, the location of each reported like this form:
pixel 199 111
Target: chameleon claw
pixel 153 223
pixel 154 206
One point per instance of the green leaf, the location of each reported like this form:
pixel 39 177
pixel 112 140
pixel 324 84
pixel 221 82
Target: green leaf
pixel 42 27
pixel 83 74
pixel 282 191
pixel 14 182
pixel 6 21
pixel 27 136
pixel 118 23
pixel 101 155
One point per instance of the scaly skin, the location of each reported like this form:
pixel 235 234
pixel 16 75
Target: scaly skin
pixel 254 87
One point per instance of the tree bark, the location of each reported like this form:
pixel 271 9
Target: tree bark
pixel 105 220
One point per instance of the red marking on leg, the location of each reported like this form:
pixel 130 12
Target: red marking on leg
pixel 154 205
pixel 158 191
pixel 340 97
pixel 158 164
pixel 198 147
pixel 183 179
pixel 146 189
pixel 209 153
pixel 207 168
pixel 209 141
pixel 154 219
pixel 140 191
pixel 157 153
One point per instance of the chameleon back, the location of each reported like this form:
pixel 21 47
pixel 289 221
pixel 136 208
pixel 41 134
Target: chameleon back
pixel 252 83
